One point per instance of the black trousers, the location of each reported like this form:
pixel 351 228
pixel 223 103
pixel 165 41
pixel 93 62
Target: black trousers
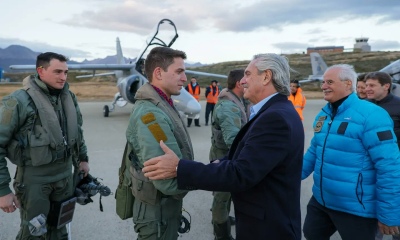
pixel 209 109
pixel 321 223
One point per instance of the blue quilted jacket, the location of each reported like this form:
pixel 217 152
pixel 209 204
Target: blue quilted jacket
pixel 356 161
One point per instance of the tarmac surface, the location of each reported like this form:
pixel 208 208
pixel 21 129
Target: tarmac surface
pixel 105 139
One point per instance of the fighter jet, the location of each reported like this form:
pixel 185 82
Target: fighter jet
pixel 319 66
pixel 130 75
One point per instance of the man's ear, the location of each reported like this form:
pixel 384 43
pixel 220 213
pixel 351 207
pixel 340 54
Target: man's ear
pixel 157 73
pixel 39 70
pixel 268 77
pixel 386 86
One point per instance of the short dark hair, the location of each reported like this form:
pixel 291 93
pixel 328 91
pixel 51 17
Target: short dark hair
pixel 43 59
pixel 361 77
pixel 382 77
pixel 161 57
pixel 233 77
pixel 296 82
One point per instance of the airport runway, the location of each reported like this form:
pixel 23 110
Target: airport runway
pixel 105 138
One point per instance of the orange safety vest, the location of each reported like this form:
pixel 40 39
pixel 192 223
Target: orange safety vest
pixel 298 101
pixel 213 98
pixel 194 92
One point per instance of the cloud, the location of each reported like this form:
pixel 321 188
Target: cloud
pixel 234 15
pixel 291 47
pixel 384 45
pixel 131 16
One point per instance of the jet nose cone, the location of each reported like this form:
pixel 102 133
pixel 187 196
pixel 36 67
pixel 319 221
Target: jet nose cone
pixel 193 107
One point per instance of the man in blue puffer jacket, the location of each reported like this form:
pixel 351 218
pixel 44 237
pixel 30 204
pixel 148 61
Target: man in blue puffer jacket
pixel 356 165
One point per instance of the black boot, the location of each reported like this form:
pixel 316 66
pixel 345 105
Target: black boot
pixel 223 231
pixel 189 122
pixel 197 122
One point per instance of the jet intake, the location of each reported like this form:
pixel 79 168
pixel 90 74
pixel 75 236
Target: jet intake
pixel 129 86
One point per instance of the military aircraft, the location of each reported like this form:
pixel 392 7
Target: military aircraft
pixel 130 75
pixel 319 66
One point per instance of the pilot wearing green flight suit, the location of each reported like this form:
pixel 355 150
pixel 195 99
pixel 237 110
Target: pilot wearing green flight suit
pixel 228 118
pixel 157 208
pixel 40 132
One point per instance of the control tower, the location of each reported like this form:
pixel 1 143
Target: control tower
pixel 362 45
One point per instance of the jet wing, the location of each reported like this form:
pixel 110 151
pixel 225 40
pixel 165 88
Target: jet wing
pixel 206 74
pixel 82 67
pixel 393 70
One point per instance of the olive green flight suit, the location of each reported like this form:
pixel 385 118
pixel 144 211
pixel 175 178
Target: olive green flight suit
pixel 158 204
pixel 41 133
pixel 228 118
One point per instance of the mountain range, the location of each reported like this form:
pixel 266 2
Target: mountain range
pixel 20 55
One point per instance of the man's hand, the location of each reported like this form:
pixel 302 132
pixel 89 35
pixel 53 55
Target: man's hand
pixel 161 167
pixel 388 230
pixel 9 203
pixel 84 166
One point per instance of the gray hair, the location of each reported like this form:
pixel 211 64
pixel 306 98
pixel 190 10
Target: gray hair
pixel 346 72
pixel 279 66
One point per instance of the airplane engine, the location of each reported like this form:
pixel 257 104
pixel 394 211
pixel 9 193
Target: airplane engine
pixel 128 86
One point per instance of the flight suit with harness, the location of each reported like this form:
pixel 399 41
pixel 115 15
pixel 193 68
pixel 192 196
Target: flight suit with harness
pixel 157 207
pixel 46 144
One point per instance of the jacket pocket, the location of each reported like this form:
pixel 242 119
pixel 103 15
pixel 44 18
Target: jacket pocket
pixel 40 150
pixel 143 189
pixel 15 152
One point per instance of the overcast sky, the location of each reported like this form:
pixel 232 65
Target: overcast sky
pixel 210 31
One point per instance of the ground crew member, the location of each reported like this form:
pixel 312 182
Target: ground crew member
pixel 297 98
pixel 157 208
pixel 194 89
pixel 228 118
pixel 40 132
pixel 212 93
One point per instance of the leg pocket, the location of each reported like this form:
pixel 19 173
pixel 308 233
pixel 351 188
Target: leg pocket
pixel 20 192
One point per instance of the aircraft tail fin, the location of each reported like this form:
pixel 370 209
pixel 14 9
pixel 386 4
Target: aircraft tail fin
pixel 120 56
pixel 317 64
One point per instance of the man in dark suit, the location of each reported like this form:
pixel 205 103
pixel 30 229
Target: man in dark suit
pixel 263 167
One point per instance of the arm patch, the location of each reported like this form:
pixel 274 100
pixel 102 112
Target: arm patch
pixel 385 135
pixel 148 118
pixel 6 115
pixel 157 132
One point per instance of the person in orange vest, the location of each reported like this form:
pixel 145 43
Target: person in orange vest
pixel 297 98
pixel 194 89
pixel 212 93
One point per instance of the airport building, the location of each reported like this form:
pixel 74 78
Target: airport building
pixel 362 45
pixel 325 49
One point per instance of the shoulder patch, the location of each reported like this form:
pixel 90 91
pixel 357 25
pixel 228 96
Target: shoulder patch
pixel 238 122
pixel 9 106
pixel 157 132
pixel 148 118
pixel 10 103
pixel 385 135
pixel 6 116
pixel 235 110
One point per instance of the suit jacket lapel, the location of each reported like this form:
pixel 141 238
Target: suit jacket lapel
pixel 277 98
